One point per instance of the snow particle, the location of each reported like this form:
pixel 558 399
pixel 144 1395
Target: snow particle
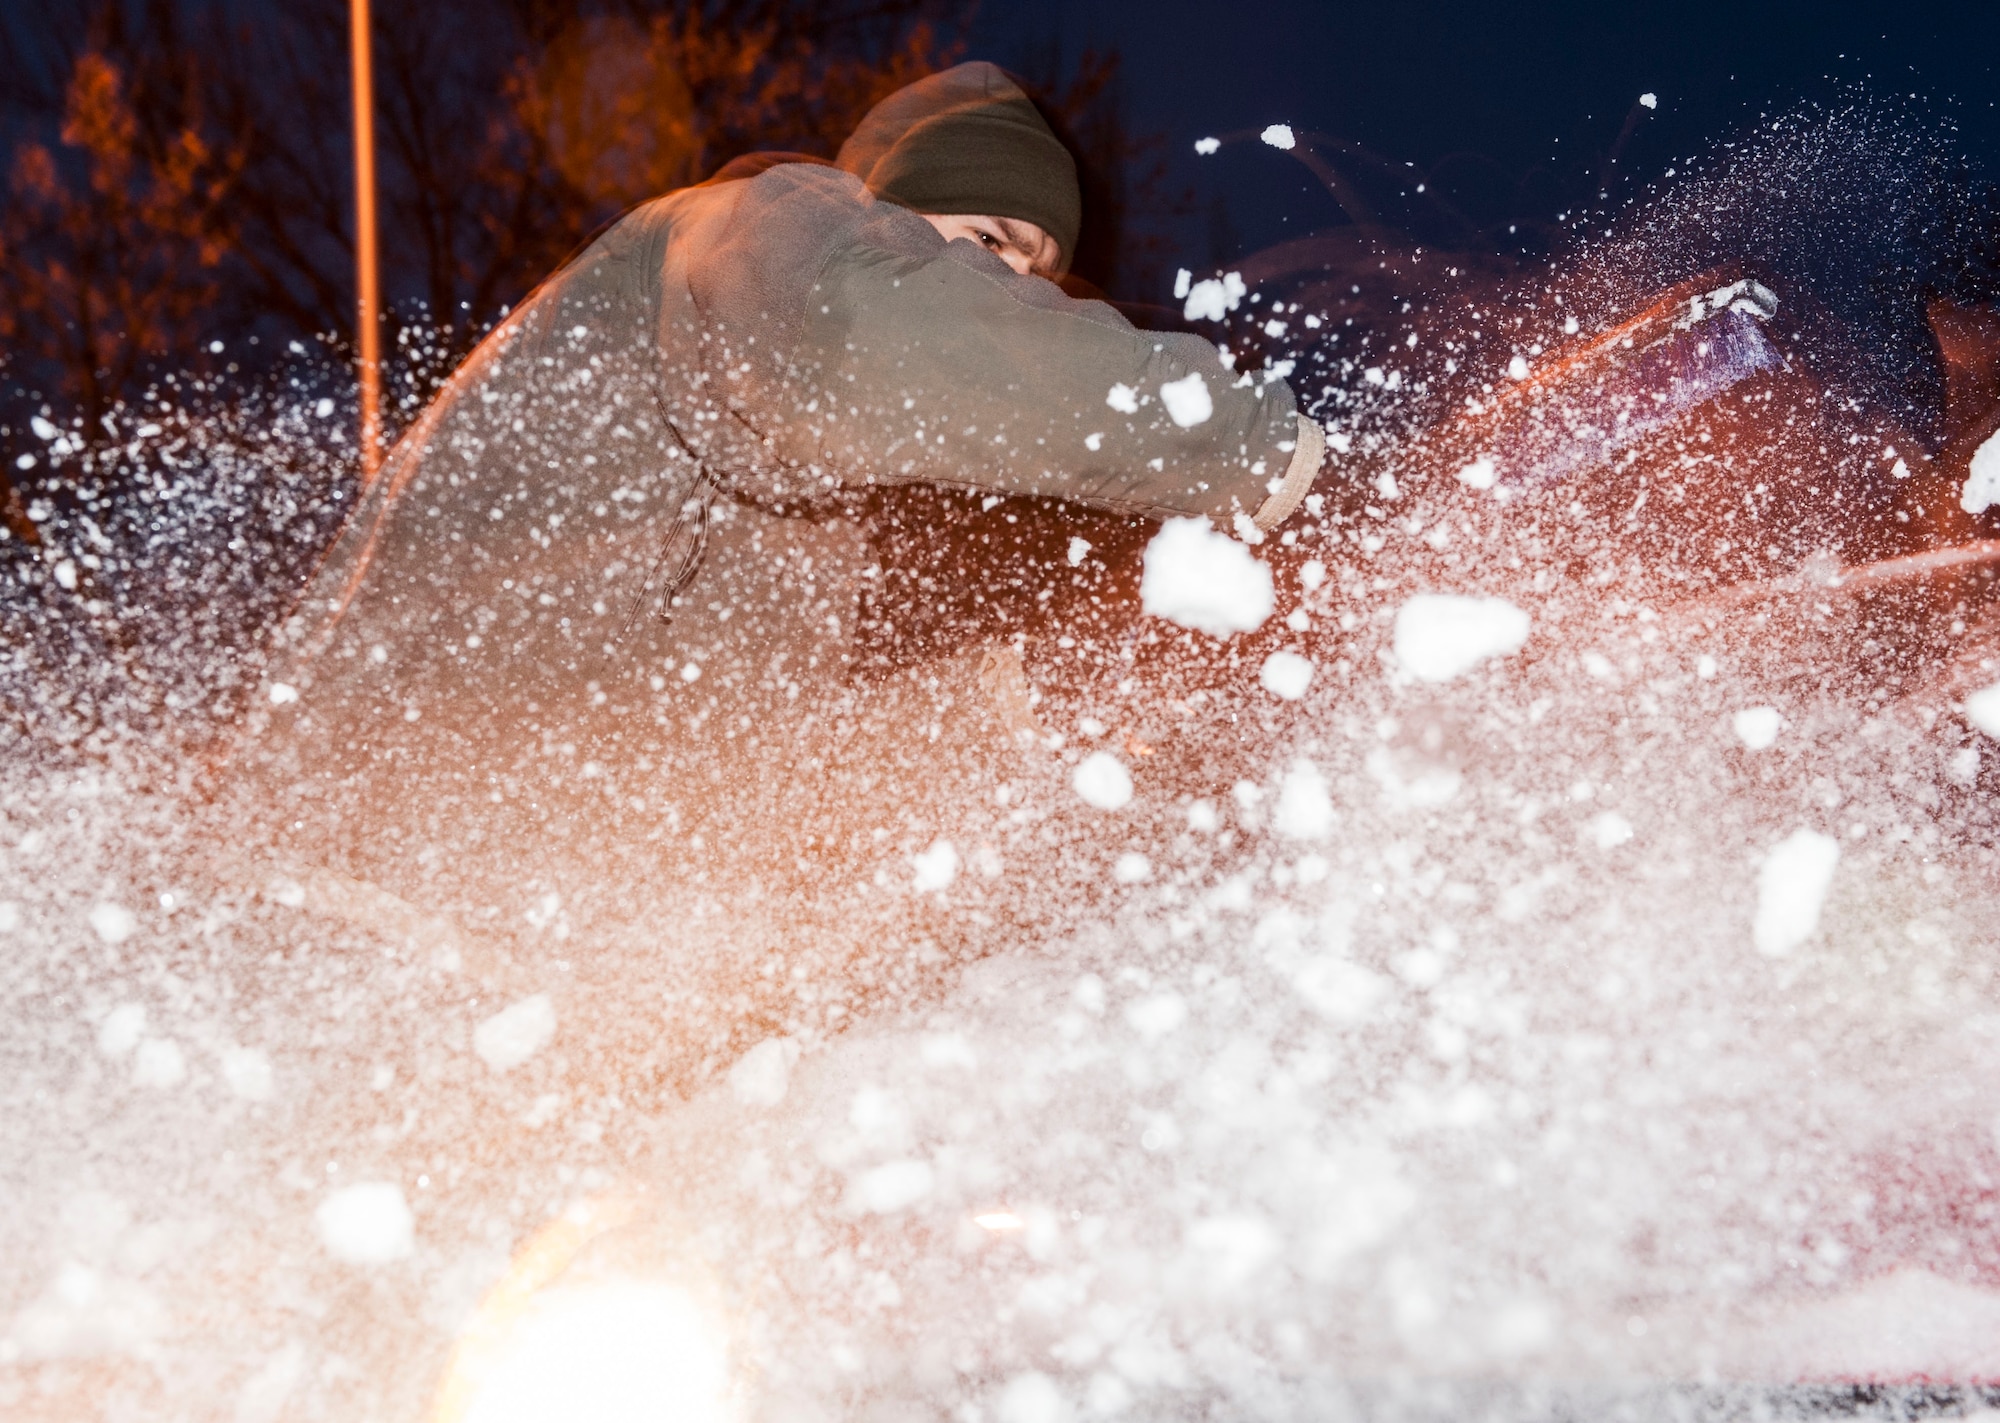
pixel 159 1063
pixel 323 408
pixel 1608 830
pixel 121 1029
pixel 1305 809
pixel 1206 146
pixel 114 923
pixel 1792 886
pixel 1982 709
pixel 1123 399
pixel 283 692
pixel 1340 991
pixel 1757 727
pixel 1203 579
pixel 891 1187
pixel 1132 868
pixel 1215 298
pixel 247 1074
pixel 936 867
pixel 1102 780
pixel 367 1224
pixel 516 1033
pixel 1078 548
pixel 1094 442
pixel 1480 474
pixel 1440 636
pixel 1517 368
pixel 1286 675
pixel 1157 1015
pixel 1279 136
pixel 762 1075
pixel 1032 1397
pixel 1187 400
pixel 1982 484
pixel 1650 101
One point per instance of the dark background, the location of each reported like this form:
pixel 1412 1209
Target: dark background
pixel 1513 107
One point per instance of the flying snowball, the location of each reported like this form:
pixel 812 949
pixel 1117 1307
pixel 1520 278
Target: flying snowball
pixel 1792 887
pixel 1206 146
pixel 1202 579
pixel 1649 101
pixel 1102 780
pixel 1440 636
pixel 1279 136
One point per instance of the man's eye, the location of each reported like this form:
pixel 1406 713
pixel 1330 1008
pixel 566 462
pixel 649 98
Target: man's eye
pixel 990 240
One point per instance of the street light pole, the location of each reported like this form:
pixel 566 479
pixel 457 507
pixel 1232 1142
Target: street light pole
pixel 368 316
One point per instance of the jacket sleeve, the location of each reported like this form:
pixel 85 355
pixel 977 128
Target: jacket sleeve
pixel 918 360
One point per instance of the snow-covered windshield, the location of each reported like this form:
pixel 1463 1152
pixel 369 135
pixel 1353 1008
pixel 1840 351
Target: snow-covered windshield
pixel 1517 936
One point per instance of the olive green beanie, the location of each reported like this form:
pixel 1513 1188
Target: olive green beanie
pixel 968 140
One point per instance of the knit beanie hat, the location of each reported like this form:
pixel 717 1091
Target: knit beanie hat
pixel 968 140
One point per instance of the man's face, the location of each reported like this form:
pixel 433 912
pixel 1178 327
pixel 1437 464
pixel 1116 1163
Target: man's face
pixel 1021 245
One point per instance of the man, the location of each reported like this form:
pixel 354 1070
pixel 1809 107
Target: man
pixel 523 577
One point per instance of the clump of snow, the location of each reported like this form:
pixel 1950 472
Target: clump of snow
pixel 1982 709
pixel 1132 868
pixel 1215 298
pixel 159 1062
pixel 1203 579
pixel 1305 807
pixel 1792 885
pixel 113 923
pixel 1517 368
pixel 1279 136
pixel 1123 399
pixel 1079 549
pixel 1206 146
pixel 1102 780
pixel 1187 400
pixel 1650 101
pixel 246 1072
pixel 1757 727
pixel 516 1033
pixel 761 1076
pixel 936 867
pixel 368 1223
pixel 1982 483
pixel 1440 636
pixel 1286 675
pixel 1608 830
pixel 121 1029
pixel 890 1187
pixel 1480 474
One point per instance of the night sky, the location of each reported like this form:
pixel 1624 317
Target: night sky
pixel 1499 90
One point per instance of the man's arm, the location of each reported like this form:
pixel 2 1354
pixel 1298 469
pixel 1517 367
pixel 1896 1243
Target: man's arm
pixel 915 360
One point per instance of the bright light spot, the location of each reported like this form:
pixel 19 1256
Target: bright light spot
pixel 616 1352
pixel 323 408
